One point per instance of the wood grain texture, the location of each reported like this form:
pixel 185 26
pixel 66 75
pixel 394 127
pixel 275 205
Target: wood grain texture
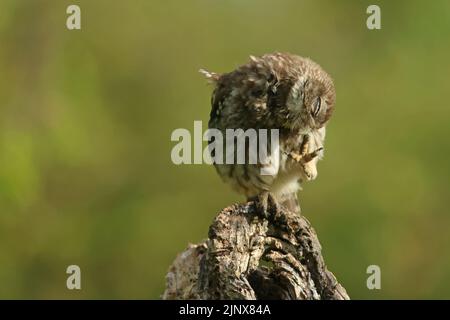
pixel 249 255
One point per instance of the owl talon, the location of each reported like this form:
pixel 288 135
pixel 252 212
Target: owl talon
pixel 305 145
pixel 266 205
pixel 306 172
pixel 310 156
pixel 304 156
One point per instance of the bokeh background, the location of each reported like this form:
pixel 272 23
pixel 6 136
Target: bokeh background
pixel 86 116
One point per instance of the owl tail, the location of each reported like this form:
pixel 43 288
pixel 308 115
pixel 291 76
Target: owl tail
pixel 212 77
pixel 291 203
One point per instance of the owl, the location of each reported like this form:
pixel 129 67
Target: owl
pixel 275 91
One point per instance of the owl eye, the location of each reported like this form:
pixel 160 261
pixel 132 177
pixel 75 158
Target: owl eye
pixel 317 105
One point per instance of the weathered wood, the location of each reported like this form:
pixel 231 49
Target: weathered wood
pixel 249 255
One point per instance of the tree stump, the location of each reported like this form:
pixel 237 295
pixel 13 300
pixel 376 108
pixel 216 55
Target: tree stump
pixel 249 255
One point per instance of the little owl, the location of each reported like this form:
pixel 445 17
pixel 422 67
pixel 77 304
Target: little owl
pixel 275 91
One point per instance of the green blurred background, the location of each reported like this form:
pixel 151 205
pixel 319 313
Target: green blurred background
pixel 86 117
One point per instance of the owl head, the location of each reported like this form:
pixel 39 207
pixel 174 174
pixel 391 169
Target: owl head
pixel 310 102
pixel 277 90
pixel 301 93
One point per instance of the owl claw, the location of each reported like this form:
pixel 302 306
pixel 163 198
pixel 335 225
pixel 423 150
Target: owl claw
pixel 266 204
pixel 305 157
pixel 310 156
pixel 305 145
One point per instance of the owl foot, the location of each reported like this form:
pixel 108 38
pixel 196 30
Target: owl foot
pixel 304 156
pixel 305 145
pixel 310 156
pixel 266 204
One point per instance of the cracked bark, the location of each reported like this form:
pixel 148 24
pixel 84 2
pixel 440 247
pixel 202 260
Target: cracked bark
pixel 252 256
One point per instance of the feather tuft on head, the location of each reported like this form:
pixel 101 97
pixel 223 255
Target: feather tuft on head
pixel 212 77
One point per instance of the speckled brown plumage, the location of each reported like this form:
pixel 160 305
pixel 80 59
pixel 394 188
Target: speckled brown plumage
pixel 275 91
